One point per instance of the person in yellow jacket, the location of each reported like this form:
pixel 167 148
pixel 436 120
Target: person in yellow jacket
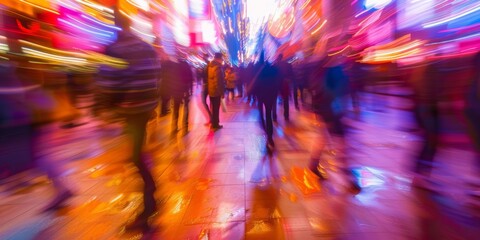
pixel 216 88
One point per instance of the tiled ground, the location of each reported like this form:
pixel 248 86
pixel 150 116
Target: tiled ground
pixel 223 185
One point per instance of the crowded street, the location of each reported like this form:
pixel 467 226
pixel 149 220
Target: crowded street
pixel 239 119
pixel 223 185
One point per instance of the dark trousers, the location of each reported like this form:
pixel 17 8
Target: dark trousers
pixel 266 112
pixel 164 105
pixel 205 105
pixel 176 112
pixel 296 90
pixel 286 108
pixel 230 91
pixel 429 120
pixel 472 114
pixel 215 108
pixel 136 125
pixel 240 89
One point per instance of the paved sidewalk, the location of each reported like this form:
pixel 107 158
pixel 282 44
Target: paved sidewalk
pixel 223 185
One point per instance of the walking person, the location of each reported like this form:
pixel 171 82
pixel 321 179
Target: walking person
pixel 265 86
pixel 240 80
pixel 181 90
pixel 205 89
pixel 134 95
pixel 299 82
pixel 19 106
pixel 249 75
pixel 286 75
pixel 216 88
pixel 165 86
pixel 329 97
pixel 472 113
pixel 230 81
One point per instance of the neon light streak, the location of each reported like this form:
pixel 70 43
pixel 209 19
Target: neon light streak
pixel 305 4
pixel 88 26
pixel 451 18
pixel 456 39
pixel 69 5
pixel 140 32
pixel 142 4
pixel 12 90
pixel 364 11
pixel 43 8
pixel 96 6
pixel 343 49
pixel 318 29
pixel 53 57
pixel 51 49
pixel 141 22
pixel 81 28
pixel 100 22
pixel 4 47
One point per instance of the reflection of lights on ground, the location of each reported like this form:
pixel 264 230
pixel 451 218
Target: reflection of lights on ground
pixel 368 177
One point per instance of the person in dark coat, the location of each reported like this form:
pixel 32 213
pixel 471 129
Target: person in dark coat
pixel 134 92
pixel 249 75
pixel 329 96
pixel 165 86
pixel 266 87
pixel 286 76
pixel 181 91
pixel 205 89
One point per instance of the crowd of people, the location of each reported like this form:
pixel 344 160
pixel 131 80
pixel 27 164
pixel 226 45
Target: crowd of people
pixel 135 92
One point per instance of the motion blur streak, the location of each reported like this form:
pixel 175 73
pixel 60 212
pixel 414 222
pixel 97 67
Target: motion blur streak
pixel 240 119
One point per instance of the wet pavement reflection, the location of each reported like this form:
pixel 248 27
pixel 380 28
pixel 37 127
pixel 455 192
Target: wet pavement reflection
pixel 227 185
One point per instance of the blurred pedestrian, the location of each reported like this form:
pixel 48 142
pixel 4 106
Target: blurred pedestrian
pixel 329 102
pixel 230 81
pixel 181 91
pixel 249 75
pixel 134 93
pixel 74 91
pixel 426 110
pixel 286 76
pixel 205 88
pixel 240 80
pixel 299 83
pixel 167 78
pixel 472 112
pixel 19 130
pixel 266 86
pixel 216 88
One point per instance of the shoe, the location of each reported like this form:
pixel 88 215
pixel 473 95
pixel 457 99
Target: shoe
pixel 216 128
pixel 59 201
pixel 353 185
pixel 354 188
pixel 139 224
pixel 423 182
pixel 319 171
pixel 271 142
pixel 72 125
pixel 270 145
